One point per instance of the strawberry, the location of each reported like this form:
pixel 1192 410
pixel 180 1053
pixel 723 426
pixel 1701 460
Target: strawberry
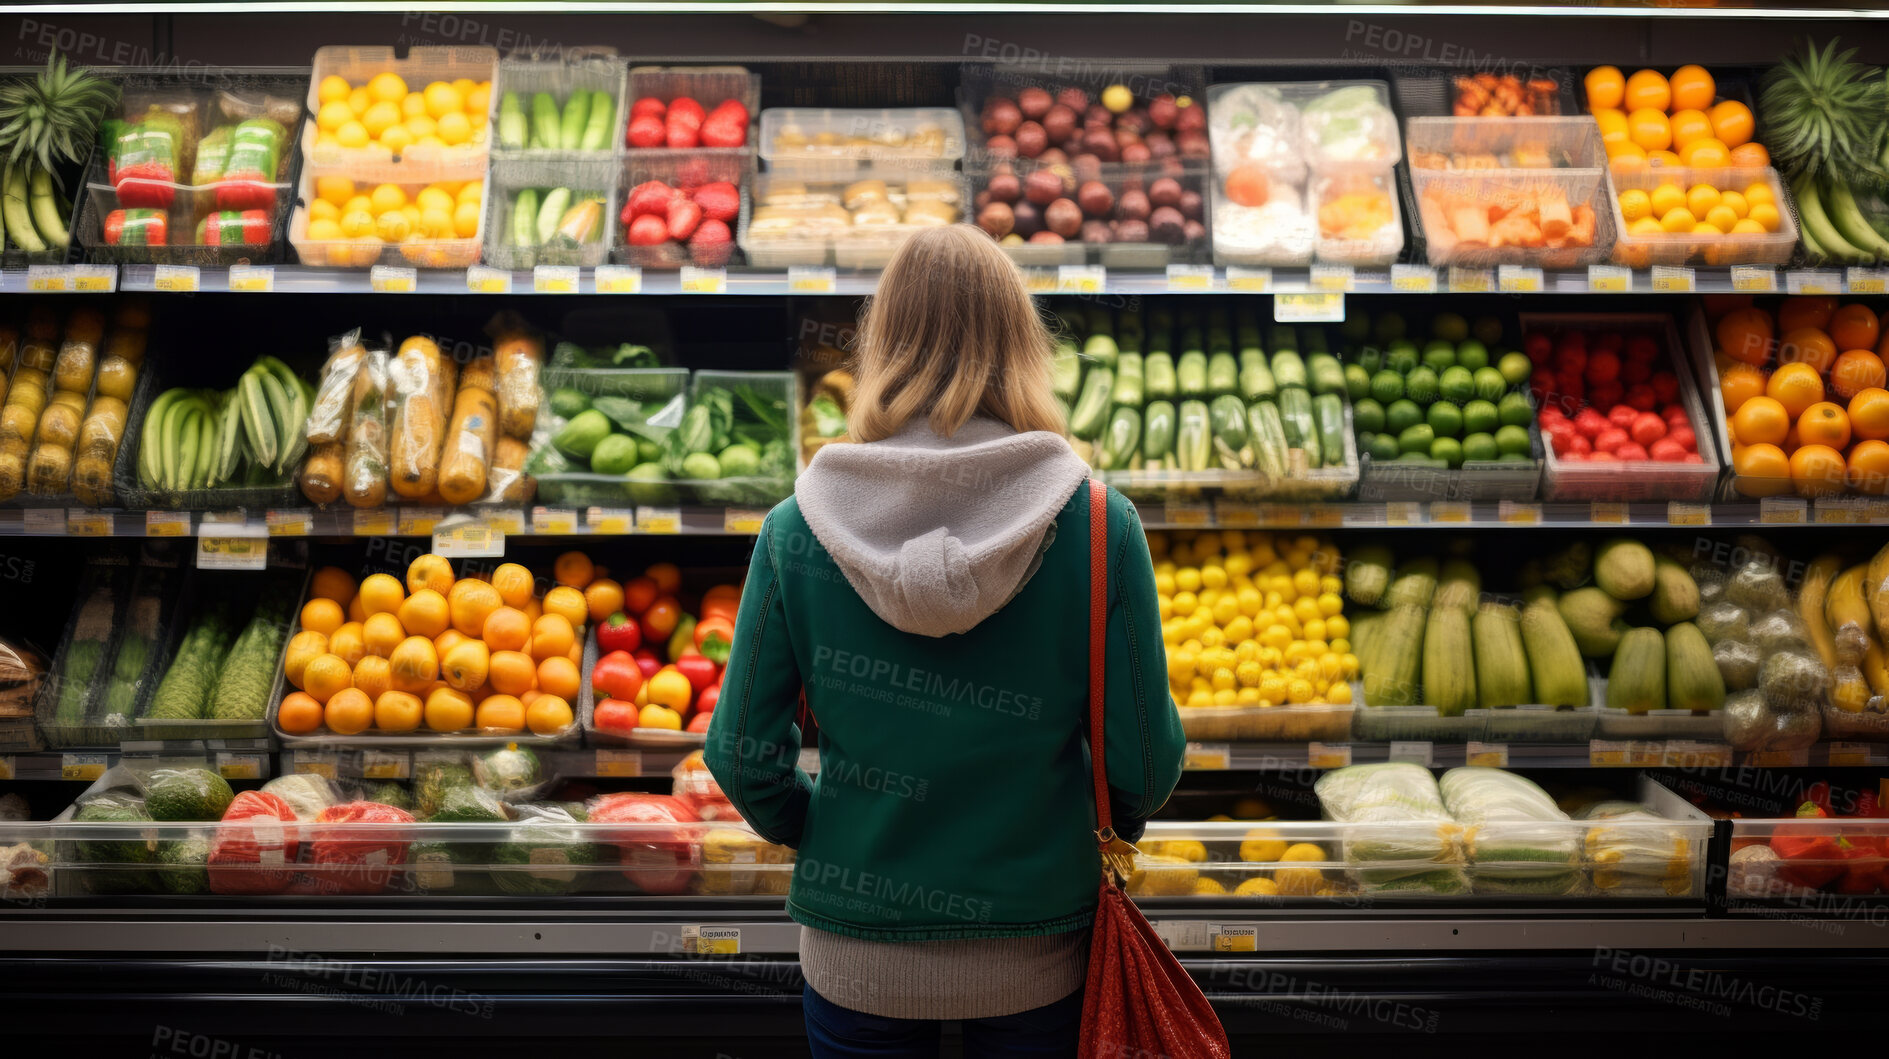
pixel 726 126
pixel 647 131
pixel 683 124
pixel 684 215
pixel 648 230
pixel 650 197
pixel 712 244
pixel 648 106
pixel 720 201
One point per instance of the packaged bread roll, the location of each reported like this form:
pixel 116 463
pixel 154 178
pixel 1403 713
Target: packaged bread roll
pixel 414 375
pixel 328 413
pixel 507 481
pixel 519 354
pixel 462 466
pixel 364 464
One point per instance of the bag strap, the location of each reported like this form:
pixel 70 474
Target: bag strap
pixel 1098 647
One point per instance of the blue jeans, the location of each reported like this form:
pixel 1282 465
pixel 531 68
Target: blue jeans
pixel 834 1032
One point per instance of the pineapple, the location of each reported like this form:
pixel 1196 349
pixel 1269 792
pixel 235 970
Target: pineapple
pixel 52 117
pixel 1824 113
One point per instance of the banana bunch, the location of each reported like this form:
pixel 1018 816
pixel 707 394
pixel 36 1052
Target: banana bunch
pixel 1836 226
pixel 201 439
pixel 1847 613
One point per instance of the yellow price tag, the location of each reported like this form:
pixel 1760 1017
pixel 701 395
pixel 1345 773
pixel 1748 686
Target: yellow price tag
pixel 252 279
pixel 48 279
pixel 177 279
pixel 1491 755
pixel 745 520
pixel 1236 939
pixel 82 523
pixel 94 279
pixel 1190 279
pixel 658 520
pixel 1672 279
pixel 1754 279
pixel 1609 279
pixel 290 523
pixel 1470 280
pixel 484 279
pixel 612 521
pixel 1449 511
pixel 1081 279
pixel 554 279
pixel 86 767
pixel 1331 278
pixel 391 279
pixel 1516 513
pixel 238 766
pixel 704 280
pixel 1211 757
pixel 620 763
pixel 1868 280
pixel 1519 279
pixel 1192 515
pixel 1328 755
pixel 1781 510
pixel 802 279
pixel 375 522
pixel 1612 512
pixel 167 523
pixel 1685 513
pixel 557 522
pixel 1413 279
pixel 1249 280
pixel 712 941
pixel 619 279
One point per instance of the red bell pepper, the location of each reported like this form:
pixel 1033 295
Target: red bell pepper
pixel 701 671
pixel 616 676
pixel 141 227
pixel 619 632
pixel 715 637
pixel 232 228
pixel 646 661
pixel 1812 859
pixel 705 702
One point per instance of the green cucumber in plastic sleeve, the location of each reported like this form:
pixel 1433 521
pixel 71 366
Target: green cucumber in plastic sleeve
pixel 1127 391
pixel 1157 435
pixel 1091 411
pixel 1329 411
pixel 1267 433
pixel 1223 374
pixel 1157 376
pixel 1193 439
pixel 1190 374
pixel 1119 440
pixel 1295 412
pixel 1256 379
pixel 1288 370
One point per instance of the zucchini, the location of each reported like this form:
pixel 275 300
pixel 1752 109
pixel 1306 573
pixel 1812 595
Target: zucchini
pixel 1449 663
pixel 1501 662
pixel 525 218
pixel 1396 657
pixel 1193 440
pixel 1223 374
pixel 1091 412
pixel 1128 383
pixel 1256 379
pixel 1190 374
pixel 1268 437
pixel 1157 435
pixel 1554 662
pixel 1226 416
pixel 1157 376
pixel 1119 440
pixel 1288 369
pixel 1295 411
pixel 1065 372
pixel 1101 349
pixel 1327 375
pixel 1329 412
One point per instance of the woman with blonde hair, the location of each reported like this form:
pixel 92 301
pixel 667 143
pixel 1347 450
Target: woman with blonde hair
pixel 928 589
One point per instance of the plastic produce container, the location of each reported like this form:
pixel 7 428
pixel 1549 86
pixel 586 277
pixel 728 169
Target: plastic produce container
pixel 665 389
pixel 1647 480
pixel 834 143
pixel 230 496
pixel 810 223
pixel 1330 194
pixel 1312 722
pixel 544 167
pixel 1386 724
pixel 423 65
pixel 585 177
pixel 1170 185
pixel 245 593
pixel 1800 870
pixel 70 708
pixel 1474 480
pixel 1537 724
pixel 1685 248
pixel 682 169
pixel 707 85
pixel 1082 91
pixel 368 251
pixel 1501 160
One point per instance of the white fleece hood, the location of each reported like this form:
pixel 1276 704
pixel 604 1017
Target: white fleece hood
pixel 937 534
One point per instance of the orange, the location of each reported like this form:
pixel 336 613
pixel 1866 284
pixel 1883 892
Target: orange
pixel 1740 383
pixel 298 714
pixel 1745 334
pixel 471 602
pixel 1661 158
pixel 1763 470
pixel 350 711
pixel 1606 87
pixel 302 647
pixel 512 672
pixel 382 633
pixel 1613 125
pixel 1626 154
pixel 325 675
pixel 533 609
pixel 603 597
pixel 568 603
pixel 670 688
pixel 373 675
pixel 1795 386
pixel 1869 414
pixel 414 664
pixel 1804 310
pixel 1731 122
pixel 1762 420
pixel 1750 155
pixel 1705 154
pixel 1809 346
pixel 332 582
pixel 1818 470
pixel 382 593
pixel 448 640
pixel 424 613
pixel 515 584
pixel 1824 423
pixel 1854 327
pixel 1856 371
pixel 398 711
pixel 574 569
pixel 1868 470
pixel 547 715
pixel 1690 125
pixel 356 612
pixel 551 637
pixel 501 713
pixel 530 697
pixel 349 642
pixel 448 710
pixel 1693 88
pixel 1647 89
pixel 1650 129
pixel 430 571
pixel 507 630
pixel 465 666
pixel 322 615
pixel 559 676
pixel 668 577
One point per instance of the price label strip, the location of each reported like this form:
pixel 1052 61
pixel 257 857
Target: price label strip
pixel 1517 513
pixel 1207 757
pixel 619 279
pixel 235 766
pixel 1782 511
pixel 177 279
pixel 464 537
pixel 1413 279
pixel 620 763
pixel 1235 514
pixel 1335 279
pixel 167 523
pixel 553 521
pixel 392 279
pixel 1813 281
pixel 1609 279
pixel 711 941
pixel 48 279
pixel 385 764
pixel 1190 279
pixel 94 279
pixel 658 519
pixel 1449 511
pixel 82 522
pixel 1328 755
pixel 1672 279
pixel 374 522
pixel 1867 280
pixel 803 279
pixel 1186 513
pixel 1236 939
pixel 1611 512
pixel 1687 513
pixel 85 767
pixel 1249 280
pixel 233 547
pixel 1081 279
pixel 555 279
pixel 419 521
pixel 1754 279
pixel 742 520
pixel 611 521
pixel 307 763
pixel 1493 755
pixel 1519 279
pixel 1420 753
pixel 44 522
pixel 251 279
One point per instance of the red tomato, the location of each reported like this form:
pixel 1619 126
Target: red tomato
pixel 705 702
pixel 700 671
pixel 1647 428
pixel 1643 396
pixel 357 860
pixel 661 617
pixel 614 715
pixel 639 593
pixel 619 632
pixel 698 723
pixel 616 675
pixel 1622 415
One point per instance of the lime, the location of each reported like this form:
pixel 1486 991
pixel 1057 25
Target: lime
pixel 1515 409
pixel 1357 382
pixel 1479 417
pixel 1368 416
pixel 739 460
pixel 1420 458
pixel 1472 354
pixel 1388 327
pixel 1401 356
pixel 1416 439
pixel 1445 418
pixel 1401 415
pixel 1480 446
pixel 1438 355
pixel 1450 326
pixel 701 466
pixel 1514 457
pixel 1456 384
pixel 1356 328
pixel 1515 367
pixel 1420 385
pixel 1512 439
pixel 1370 358
pixel 1387 386
pixel 1449 450
pixel 1383 447
pixel 1487 329
pixel 1490 385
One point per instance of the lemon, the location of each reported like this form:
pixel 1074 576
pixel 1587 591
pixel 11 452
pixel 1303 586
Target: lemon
pixel 473 191
pixel 413 105
pixel 1701 199
pixel 1760 194
pixel 1765 213
pixel 357 223
pixel 359 101
pixel 1164 584
pixel 442 99
pixel 352 135
pixel 454 128
pixel 1678 219
pixel 1187 579
pixel 1299 691
pixel 380 117
pixel 323 229
pixel 1735 202
pixel 1338 694
pixel 387 88
pixel 1262 846
pixel 323 210
pixel 1721 217
pixel 393 227
pixel 429 141
pixel 1256 888
pixel 358 202
pixel 1666 198
pixel 1635 204
pixel 332 115
pixel 1645 226
pixel 387 197
pixel 396 138
pixel 412 213
pixel 1747 226
pixel 1213 575
pixel 419 125
pixel 333 87
pixel 466 221
pixel 336 190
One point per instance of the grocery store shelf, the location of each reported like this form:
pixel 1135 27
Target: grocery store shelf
pixel 538 521
pixel 1684 754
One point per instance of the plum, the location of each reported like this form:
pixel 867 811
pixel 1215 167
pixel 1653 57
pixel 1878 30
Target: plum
pixel 1095 232
pixel 1001 117
pixel 1059 123
pixel 1167 225
pixel 1193 143
pixel 1029 218
pixel 1132 232
pixel 1165 192
pixel 1043 187
pixel 1046 236
pixel 1034 103
pixel 1190 205
pixel 1134 206
pixel 1101 143
pixel 1136 152
pixel 1031 139
pixel 997 219
pixel 1095 199
pixel 1163 112
pixel 1063 217
pixel 1004 187
pixel 1074 98
pixel 1001 147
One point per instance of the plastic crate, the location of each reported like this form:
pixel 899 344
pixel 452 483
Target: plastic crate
pixel 980 82
pixel 1189 199
pixel 1386 724
pixel 1797 886
pixel 417 165
pixel 1537 724
pixel 1474 480
pixel 652 738
pixel 1685 248
pixel 690 168
pixel 1576 168
pixel 1649 480
pixel 539 167
pixel 366 252
pixel 707 85
pixel 131 344
pixel 585 177
pixel 103 590
pixel 1434 93
pixel 585 487
pixel 828 232
pixel 835 143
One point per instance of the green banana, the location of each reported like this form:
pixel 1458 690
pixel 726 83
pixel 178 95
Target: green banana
pixel 278 399
pixel 150 467
pixel 229 439
pixel 187 446
pixel 173 434
pixel 1816 222
pixel 290 419
pixel 206 448
pixel 258 426
pixel 1840 207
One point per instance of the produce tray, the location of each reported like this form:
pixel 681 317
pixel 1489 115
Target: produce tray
pixel 192 203
pixel 890 131
pixel 649 738
pixel 1616 723
pixel 1865 726
pixel 1645 251
pixel 1580 480
pixel 1537 724
pixel 675 168
pixel 868 246
pixel 1474 480
pixel 1431 93
pixel 707 85
pixel 582 173
pixel 366 252
pixel 1313 722
pixel 1250 484
pixel 591 72
pixel 979 81
pixel 1385 724
pixel 133 494
pixel 1807 887
pixel 1118 177
pixel 1582 181
pixel 247 589
pixel 114 576
pixel 421 165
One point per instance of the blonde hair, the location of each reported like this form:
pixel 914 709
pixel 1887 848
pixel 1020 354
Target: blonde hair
pixel 952 333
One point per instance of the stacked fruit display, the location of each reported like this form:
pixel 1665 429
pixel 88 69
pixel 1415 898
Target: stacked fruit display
pixel 1803 392
pixel 1459 398
pixel 1706 208
pixel 1609 396
pixel 63 415
pixel 386 213
pixel 1650 119
pixel 444 654
pixel 685 222
pixel 1846 611
pixel 386 118
pixel 659 665
pixel 1252 619
pixel 1067 126
pixel 682 122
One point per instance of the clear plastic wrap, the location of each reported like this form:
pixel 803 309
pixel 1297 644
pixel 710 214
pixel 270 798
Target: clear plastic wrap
pixel 329 417
pixel 414 377
pixel 1350 125
pixel 364 456
pixel 1633 851
pixel 1401 836
pixel 1519 840
pixel 465 462
pixel 520 354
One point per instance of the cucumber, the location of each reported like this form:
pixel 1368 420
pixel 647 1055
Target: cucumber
pixel 602 123
pixel 1191 374
pixel 1328 376
pixel 571 122
pixel 1223 374
pixel 1329 411
pixel 1158 379
pixel 1193 440
pixel 1065 372
pixel 1267 433
pixel 552 209
pixel 525 218
pixel 1128 382
pixel 1295 412
pixel 1091 411
pixel 1227 417
pixel 1157 435
pixel 1120 440
pixel 513 129
pixel 545 133
pixel 1288 369
pixel 1256 379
